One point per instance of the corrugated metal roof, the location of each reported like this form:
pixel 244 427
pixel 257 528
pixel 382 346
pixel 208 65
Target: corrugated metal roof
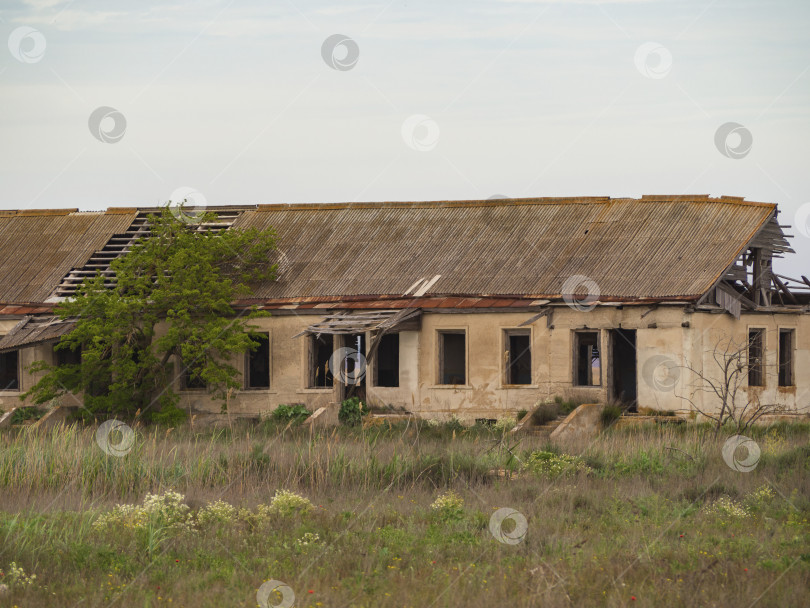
pixel 656 247
pixel 39 247
pixel 653 248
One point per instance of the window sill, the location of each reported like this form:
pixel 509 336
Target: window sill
pixel 259 391
pixel 327 389
pixel 518 386
pixel 459 387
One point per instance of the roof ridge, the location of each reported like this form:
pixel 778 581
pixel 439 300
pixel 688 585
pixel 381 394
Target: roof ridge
pixel 574 200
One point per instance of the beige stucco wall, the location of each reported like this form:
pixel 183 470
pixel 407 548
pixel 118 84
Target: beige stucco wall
pixel 668 341
pixel 710 330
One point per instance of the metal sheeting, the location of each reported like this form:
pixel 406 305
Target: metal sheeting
pixel 360 322
pixel 35 330
pixel 655 247
pixel 38 249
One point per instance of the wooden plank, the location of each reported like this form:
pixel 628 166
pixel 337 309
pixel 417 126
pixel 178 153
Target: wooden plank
pixel 782 286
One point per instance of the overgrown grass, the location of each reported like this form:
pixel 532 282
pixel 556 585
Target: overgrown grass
pixel 651 513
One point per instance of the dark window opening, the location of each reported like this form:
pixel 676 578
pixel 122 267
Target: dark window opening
pixel 588 363
pixel 386 367
pixel 68 356
pixel 518 357
pixel 452 358
pixel 786 339
pixel 320 349
pixel 9 371
pixel 756 352
pixel 258 364
pixel 191 377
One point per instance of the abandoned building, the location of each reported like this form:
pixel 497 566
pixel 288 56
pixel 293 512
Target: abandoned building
pixel 476 309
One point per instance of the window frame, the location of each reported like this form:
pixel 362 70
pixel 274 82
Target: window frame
pixel 18 373
pixel 760 368
pixel 312 367
pixel 575 360
pixel 440 333
pixel 375 378
pixel 184 376
pixel 249 355
pixel 791 362
pixel 508 333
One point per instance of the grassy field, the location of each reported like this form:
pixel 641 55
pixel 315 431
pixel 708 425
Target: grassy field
pixel 647 516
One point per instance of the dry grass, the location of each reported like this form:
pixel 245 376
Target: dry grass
pixel 639 524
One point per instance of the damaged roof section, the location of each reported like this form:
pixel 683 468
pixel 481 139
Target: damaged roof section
pixel 35 330
pixel 460 254
pixel 346 322
pixel 40 247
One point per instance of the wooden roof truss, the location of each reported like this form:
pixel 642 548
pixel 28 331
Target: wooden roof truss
pixel 750 283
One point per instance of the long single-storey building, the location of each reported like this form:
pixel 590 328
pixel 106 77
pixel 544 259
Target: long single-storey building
pixel 476 309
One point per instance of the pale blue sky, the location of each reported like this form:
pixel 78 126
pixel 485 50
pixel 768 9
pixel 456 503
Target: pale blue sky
pixel 527 98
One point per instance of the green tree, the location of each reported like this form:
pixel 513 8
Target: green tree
pixel 171 308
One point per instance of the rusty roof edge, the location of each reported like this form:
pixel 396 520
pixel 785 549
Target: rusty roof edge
pixel 535 300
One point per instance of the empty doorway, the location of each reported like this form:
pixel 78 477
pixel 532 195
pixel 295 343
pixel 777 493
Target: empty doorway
pixel 352 373
pixel 623 364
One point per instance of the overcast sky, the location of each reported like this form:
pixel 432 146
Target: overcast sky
pixel 465 99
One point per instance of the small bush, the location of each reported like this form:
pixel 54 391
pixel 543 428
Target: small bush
pixel 521 414
pixel 170 415
pixel 166 510
pixel 454 424
pixel 504 425
pixel 288 503
pixel 449 506
pixel 16 576
pixel 309 538
pixel 609 415
pixel 725 507
pixel 21 414
pixel 760 498
pixel 294 414
pixel 351 411
pixel 551 465
pixel 545 412
pixel 567 405
pixel 217 512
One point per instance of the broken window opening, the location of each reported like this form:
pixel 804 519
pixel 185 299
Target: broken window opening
pixel 756 353
pixel 68 356
pixel 518 357
pixel 786 341
pixel 192 380
pixel 588 359
pixel 257 368
pixel 320 350
pixel 452 357
pixel 10 371
pixel 386 366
